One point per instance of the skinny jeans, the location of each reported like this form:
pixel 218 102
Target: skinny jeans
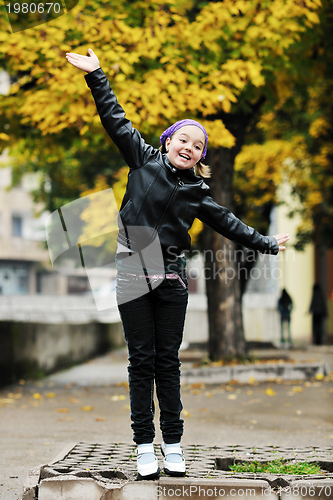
pixel 153 324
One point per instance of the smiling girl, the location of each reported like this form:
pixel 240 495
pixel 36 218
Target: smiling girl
pixel 163 193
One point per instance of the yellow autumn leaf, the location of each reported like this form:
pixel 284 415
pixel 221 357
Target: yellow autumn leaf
pixel 62 410
pixel 123 384
pixel 270 392
pixel 36 395
pixel 319 376
pixel 87 408
pixel 297 389
pixel 50 395
pixel 118 397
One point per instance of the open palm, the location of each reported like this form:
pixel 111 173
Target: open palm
pixel 86 63
pixel 281 239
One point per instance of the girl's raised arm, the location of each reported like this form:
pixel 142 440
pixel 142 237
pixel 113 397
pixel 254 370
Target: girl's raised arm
pixel 85 63
pixel 131 145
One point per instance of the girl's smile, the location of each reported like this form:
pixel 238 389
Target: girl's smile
pixel 185 147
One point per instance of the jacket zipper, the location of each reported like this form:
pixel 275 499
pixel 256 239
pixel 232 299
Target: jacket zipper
pixel 179 183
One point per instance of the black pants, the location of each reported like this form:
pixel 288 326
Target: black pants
pixel 153 326
pixel 318 329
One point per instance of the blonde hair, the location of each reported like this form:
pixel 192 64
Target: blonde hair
pixel 200 168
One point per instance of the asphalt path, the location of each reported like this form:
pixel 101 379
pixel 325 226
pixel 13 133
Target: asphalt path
pixel 88 403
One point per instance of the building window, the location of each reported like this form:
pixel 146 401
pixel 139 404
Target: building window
pixel 14 278
pixel 16 225
pixel 77 284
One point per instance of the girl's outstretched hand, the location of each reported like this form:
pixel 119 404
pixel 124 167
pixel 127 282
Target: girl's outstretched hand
pixel 86 63
pixel 281 238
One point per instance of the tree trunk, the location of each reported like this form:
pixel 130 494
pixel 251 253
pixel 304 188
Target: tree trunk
pixel 226 335
pixel 222 270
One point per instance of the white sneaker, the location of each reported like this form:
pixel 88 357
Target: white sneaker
pixel 174 461
pixel 147 463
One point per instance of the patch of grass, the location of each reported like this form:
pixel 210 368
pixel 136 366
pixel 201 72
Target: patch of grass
pixel 278 466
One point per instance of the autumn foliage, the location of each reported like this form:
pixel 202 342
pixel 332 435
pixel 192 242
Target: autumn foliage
pixel 165 61
pixel 256 73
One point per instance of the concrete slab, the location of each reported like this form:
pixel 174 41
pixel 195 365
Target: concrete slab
pixel 69 488
pixel 253 372
pixel 112 369
pixel 206 375
pixel 91 375
pixel 307 490
pixel 198 489
pixel 93 471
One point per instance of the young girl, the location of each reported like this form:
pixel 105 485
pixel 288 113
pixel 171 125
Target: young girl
pixel 163 193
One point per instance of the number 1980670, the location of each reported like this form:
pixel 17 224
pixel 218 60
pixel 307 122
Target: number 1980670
pixel 31 8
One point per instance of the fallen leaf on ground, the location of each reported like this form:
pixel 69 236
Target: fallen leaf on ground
pixel 87 408
pixel 15 395
pixel 198 385
pixel 186 413
pixel 123 384
pixel 100 419
pixel 50 395
pixel 37 396
pixel 270 392
pixel 62 410
pixel 232 396
pixel 319 376
pixel 298 388
pixel 118 397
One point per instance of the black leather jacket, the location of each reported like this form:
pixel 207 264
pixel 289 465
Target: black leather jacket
pixel 158 194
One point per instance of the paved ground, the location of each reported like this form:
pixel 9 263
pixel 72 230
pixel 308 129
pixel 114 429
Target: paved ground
pixel 38 419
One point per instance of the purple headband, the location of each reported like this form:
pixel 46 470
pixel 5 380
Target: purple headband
pixel 182 123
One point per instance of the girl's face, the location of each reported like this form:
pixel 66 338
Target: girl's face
pixel 185 147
